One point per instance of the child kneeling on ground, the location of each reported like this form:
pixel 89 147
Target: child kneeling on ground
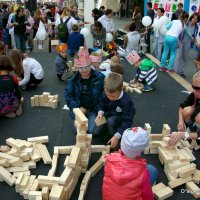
pixel 127 176
pixel 146 71
pixel 117 107
pixel 10 96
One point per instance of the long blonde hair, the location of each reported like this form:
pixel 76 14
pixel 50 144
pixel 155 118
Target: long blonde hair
pixel 66 12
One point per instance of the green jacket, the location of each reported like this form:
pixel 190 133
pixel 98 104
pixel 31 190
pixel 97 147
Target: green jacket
pixel 146 65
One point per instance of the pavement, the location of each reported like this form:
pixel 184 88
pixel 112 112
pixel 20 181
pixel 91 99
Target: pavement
pixel 157 108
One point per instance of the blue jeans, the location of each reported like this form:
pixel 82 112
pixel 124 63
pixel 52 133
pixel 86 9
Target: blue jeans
pixel 91 115
pixel 153 173
pixel 170 44
pixel 20 42
pixel 111 126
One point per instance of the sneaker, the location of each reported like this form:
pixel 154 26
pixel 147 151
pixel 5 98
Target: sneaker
pixel 147 88
pixel 169 70
pixel 11 115
pixel 162 69
pixel 19 110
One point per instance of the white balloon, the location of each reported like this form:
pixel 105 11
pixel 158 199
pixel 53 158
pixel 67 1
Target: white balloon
pixel 164 20
pixel 146 21
pixel 157 24
pixel 85 32
pixel 109 37
pixel 163 30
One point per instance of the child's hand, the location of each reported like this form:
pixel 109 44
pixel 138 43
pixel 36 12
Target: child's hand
pixel 100 114
pixel 113 142
pixel 181 126
pixel 83 110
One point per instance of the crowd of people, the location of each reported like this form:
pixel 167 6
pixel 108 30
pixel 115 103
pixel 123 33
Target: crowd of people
pixel 96 85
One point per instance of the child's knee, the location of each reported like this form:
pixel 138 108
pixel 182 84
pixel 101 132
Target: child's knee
pixel 187 112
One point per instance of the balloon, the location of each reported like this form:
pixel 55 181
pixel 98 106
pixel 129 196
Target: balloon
pixel 85 32
pixel 163 30
pixel 146 21
pixel 109 37
pixel 164 20
pixel 157 24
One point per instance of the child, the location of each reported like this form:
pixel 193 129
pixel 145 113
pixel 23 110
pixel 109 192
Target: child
pixel 117 107
pixel 146 72
pixel 27 69
pixel 75 40
pixel 61 61
pixel 126 174
pixel 10 96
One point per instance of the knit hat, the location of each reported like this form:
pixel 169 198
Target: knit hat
pixel 96 58
pixel 83 58
pixel 133 141
pixel 132 57
pixel 61 47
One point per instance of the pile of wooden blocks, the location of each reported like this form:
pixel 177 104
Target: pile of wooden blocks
pixel 128 88
pixel 45 100
pixel 54 43
pixel 41 45
pixel 178 163
pixel 19 156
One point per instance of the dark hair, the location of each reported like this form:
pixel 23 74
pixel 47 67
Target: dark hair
pixel 75 27
pixel 195 14
pixel 102 7
pixel 108 11
pixel 18 10
pixel 132 26
pixel 5 63
pixel 98 24
pixel 149 4
pixel 95 11
pixel 183 16
pixel 161 10
pixel 137 10
pixel 180 4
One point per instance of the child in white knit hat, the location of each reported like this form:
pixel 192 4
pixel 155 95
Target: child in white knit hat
pixel 126 174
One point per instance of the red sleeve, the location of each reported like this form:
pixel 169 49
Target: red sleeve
pixel 146 187
pixel 15 79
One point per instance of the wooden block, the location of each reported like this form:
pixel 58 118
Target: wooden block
pixel 4 163
pixel 54 104
pixel 27 173
pixel 164 193
pixel 32 102
pixel 189 151
pixel 30 164
pixel 28 150
pixel 25 156
pixel 65 149
pixel 48 181
pixel 161 160
pixel 176 164
pixel 179 181
pixel 45 193
pixel 7 176
pixel 56 97
pixel 24 142
pixel 186 170
pixel 164 155
pixel 81 195
pixel 45 97
pixel 13 143
pixel 36 100
pixel 147 127
pixel 97 148
pixel 66 161
pixel 23 184
pixel 18 181
pixel 33 194
pixel 56 151
pixel 156 137
pixel 158 187
pixel 18 169
pixel 166 130
pixel 31 180
pixel 96 167
pixel 100 121
pixel 66 175
pixel 54 160
pixel 153 151
pixel 187 155
pixel 74 158
pixel 193 188
pixel 130 89
pixel 56 192
pixel 13 152
pixel 154 144
pixel 181 156
pixel 35 156
pixel 169 175
pixel 44 153
pixel 82 127
pixel 146 150
pixel 40 139
pixel 86 180
pixel 196 176
pixel 35 185
pixel 52 171
pixel 4 148
pixel 80 116
pixel 173 153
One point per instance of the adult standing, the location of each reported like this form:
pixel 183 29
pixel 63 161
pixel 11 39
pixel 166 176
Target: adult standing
pixel 122 8
pixel 107 21
pixel 137 16
pixel 150 13
pixel 19 20
pixel 178 12
pixel 185 44
pixel 37 18
pixel 84 88
pixel 158 39
pixel 174 28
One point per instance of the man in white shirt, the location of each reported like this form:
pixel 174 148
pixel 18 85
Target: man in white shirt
pixel 107 21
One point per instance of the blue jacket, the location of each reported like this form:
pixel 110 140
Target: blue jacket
pixel 73 89
pixel 61 64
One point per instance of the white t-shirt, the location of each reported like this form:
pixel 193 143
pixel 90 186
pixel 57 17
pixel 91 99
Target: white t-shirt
pixel 70 23
pixel 107 23
pixel 31 66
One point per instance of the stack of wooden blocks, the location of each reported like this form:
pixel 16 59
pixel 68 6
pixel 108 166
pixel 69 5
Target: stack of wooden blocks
pixel 54 43
pixel 41 45
pixel 178 164
pixel 45 100
pixel 128 88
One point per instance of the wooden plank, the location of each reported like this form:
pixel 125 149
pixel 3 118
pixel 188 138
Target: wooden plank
pixel 40 139
pixel 44 153
pixel 7 176
pixel 96 167
pixel 164 193
pixel 186 170
pixel 158 187
pixel 166 130
pixel 80 116
pixel 45 193
pixel 66 175
pixel 179 181
pixel 74 157
pixel 194 189
pixel 56 192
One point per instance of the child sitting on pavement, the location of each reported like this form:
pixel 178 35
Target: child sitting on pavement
pixel 117 107
pixel 61 61
pixel 126 173
pixel 146 71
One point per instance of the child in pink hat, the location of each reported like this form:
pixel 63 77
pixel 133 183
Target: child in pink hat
pixel 146 71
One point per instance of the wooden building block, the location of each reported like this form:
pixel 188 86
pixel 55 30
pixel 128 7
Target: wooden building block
pixel 13 143
pixel 52 171
pixel 82 127
pixel 18 181
pixel 156 137
pixel 56 192
pixel 80 116
pixel 4 148
pixel 86 180
pixel 164 193
pixel 146 150
pixel 40 139
pixel 96 167
pixel 66 175
pixel 45 97
pixel 48 181
pixel 158 187
pixel 54 104
pixel 7 176
pixel 167 158
pixel 97 148
pixel 74 158
pixel 196 176
pixel 18 169
pixel 166 130
pixel 147 127
pixel 193 188
pixel 45 193
pixel 44 153
pixel 32 102
pixel 81 195
pixel 24 142
pixel 65 149
pixel 176 164
pixel 27 173
pixel 33 194
pixel 66 161
pixel 186 170
pixel 100 121
pixel 36 100
pixel 25 156
pixel 4 163
pixel 169 175
pixel 153 151
pixel 179 181
pixel 25 192
pixel 189 151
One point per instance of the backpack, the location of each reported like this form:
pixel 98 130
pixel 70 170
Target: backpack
pixel 63 33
